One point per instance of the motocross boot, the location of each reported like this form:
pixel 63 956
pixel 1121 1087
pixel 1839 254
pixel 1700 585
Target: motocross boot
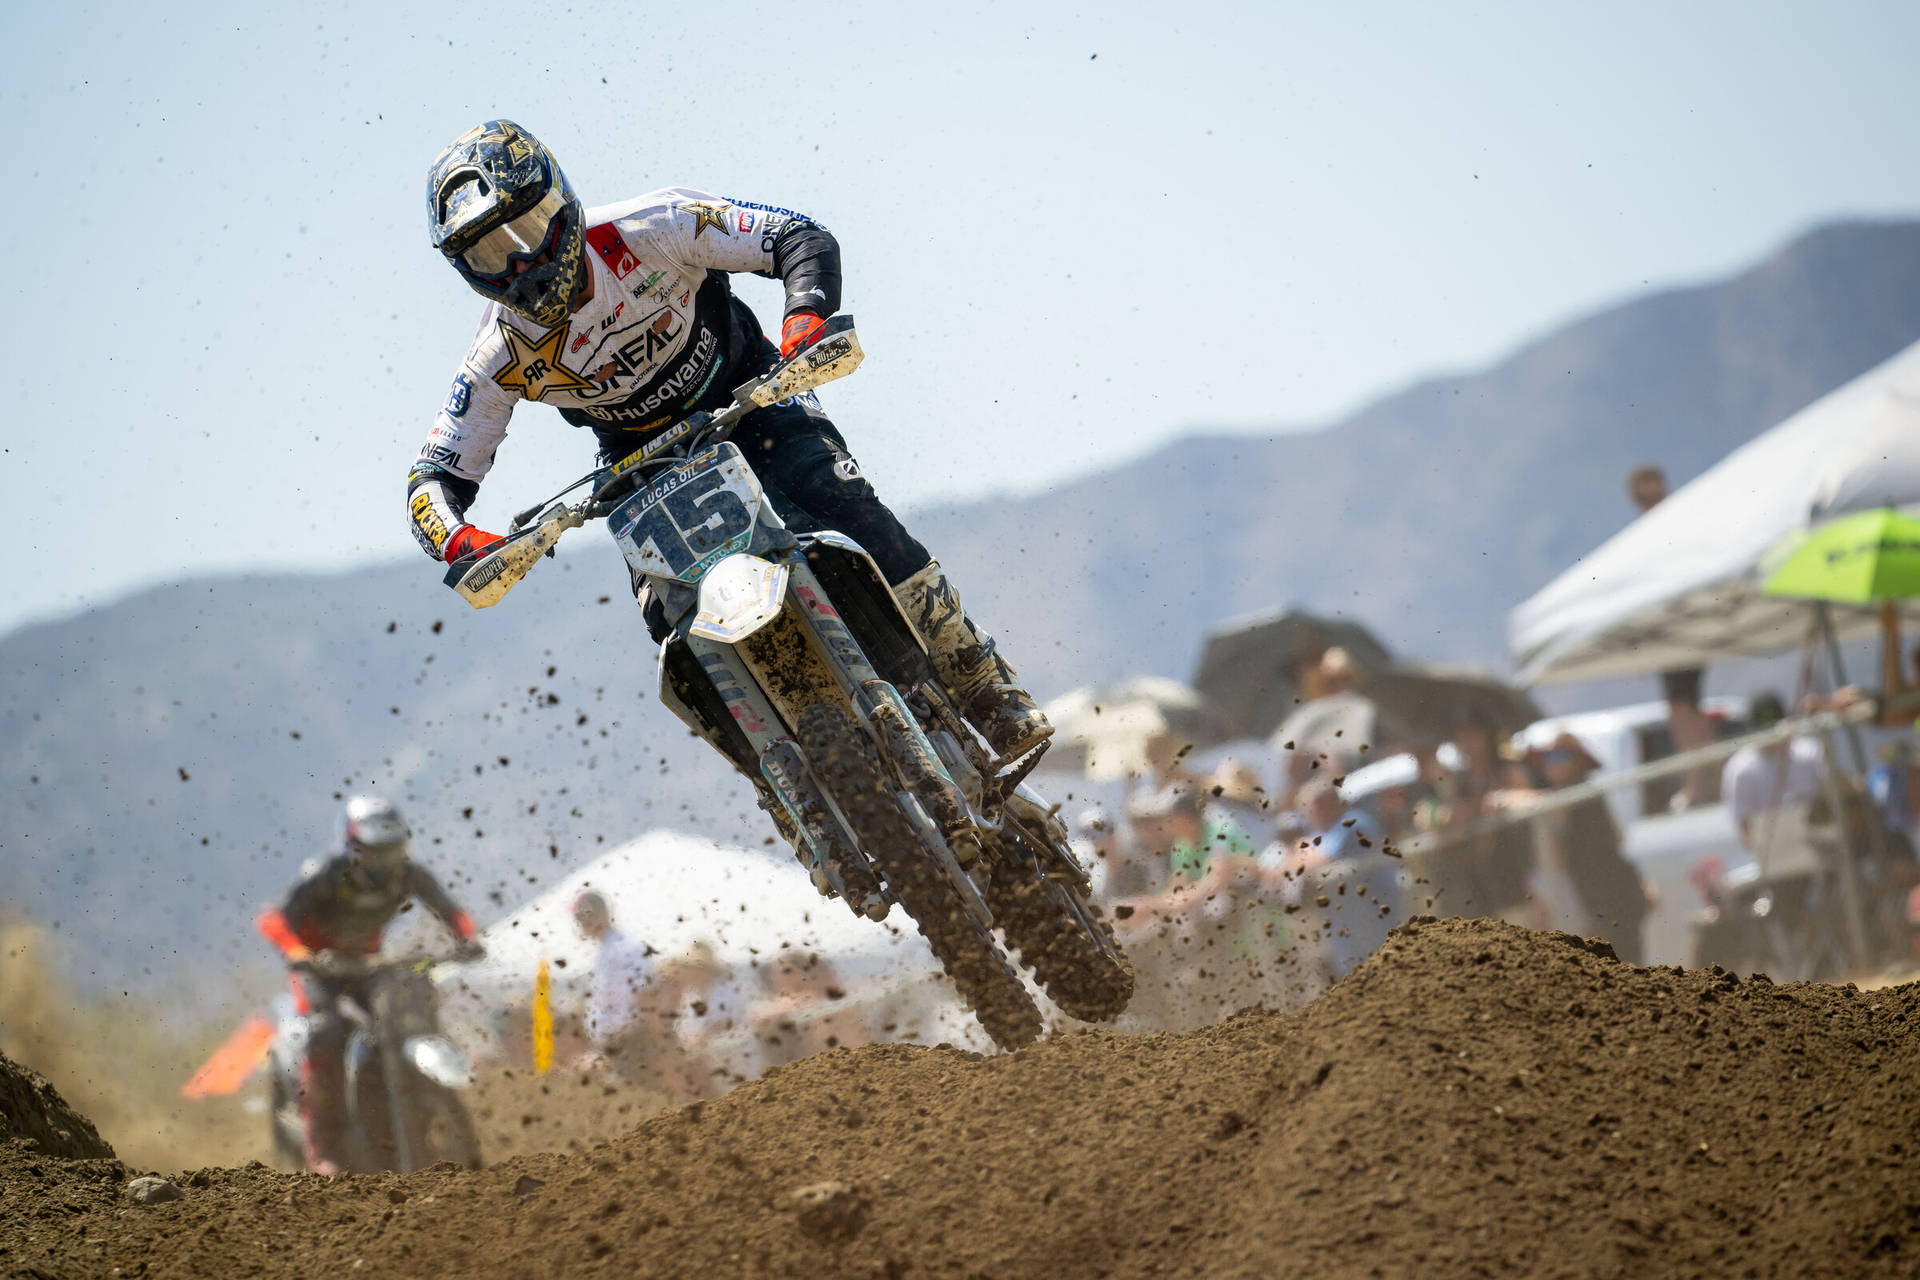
pixel 985 687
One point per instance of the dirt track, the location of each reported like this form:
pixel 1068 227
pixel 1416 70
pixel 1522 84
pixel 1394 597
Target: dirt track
pixel 1475 1100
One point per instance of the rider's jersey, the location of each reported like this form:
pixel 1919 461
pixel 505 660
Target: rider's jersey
pixel 661 336
pixel 333 910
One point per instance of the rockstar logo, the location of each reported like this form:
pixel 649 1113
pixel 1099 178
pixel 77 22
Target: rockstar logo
pixel 533 368
pixel 708 215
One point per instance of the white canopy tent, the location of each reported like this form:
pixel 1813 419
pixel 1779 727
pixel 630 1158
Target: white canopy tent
pixel 1680 586
pixel 671 890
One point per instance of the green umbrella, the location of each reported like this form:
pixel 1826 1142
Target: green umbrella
pixel 1856 559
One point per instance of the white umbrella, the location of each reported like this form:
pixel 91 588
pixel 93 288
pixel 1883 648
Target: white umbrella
pixel 669 890
pixel 1680 586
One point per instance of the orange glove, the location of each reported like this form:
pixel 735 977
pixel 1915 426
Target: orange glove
pixel 274 925
pixel 799 332
pixel 470 540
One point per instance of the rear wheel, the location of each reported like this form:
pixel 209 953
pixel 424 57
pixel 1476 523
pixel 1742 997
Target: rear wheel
pixel 1071 950
pixel 850 768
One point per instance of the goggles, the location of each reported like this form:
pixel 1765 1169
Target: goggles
pixel 490 257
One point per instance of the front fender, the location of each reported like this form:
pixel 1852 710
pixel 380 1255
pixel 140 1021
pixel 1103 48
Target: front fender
pixel 439 1060
pixel 738 596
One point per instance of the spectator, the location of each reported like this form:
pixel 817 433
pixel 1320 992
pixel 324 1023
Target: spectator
pixel 1891 784
pixel 1484 873
pixel 790 1024
pixel 1647 486
pixel 1583 843
pixel 1760 781
pixel 1165 813
pixel 1358 885
pixel 1232 810
pixel 620 997
pixel 1335 673
pixel 706 1006
pixel 1173 822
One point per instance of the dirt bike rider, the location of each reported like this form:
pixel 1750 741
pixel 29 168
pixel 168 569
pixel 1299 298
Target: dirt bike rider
pixel 630 337
pixel 336 912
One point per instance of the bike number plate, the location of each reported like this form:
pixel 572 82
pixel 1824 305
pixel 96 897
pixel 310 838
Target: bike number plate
pixel 690 516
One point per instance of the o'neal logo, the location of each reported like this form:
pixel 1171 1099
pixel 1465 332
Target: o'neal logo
pixel 655 335
pixel 673 387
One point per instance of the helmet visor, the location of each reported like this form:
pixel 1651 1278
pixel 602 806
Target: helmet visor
pixel 491 255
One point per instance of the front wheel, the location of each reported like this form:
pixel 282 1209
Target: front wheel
pixel 850 769
pixel 439 1126
pixel 288 1126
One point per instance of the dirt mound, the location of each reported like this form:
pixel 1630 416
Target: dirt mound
pixel 518 1113
pixel 33 1110
pixel 1474 1100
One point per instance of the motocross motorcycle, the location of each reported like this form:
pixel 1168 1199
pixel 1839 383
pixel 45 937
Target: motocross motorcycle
pixel 403 1074
pixel 786 650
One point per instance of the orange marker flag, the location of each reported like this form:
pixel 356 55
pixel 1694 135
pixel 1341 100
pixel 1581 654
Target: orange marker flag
pixel 231 1064
pixel 542 1022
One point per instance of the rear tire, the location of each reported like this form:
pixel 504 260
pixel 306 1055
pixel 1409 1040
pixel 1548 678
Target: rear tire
pixel 850 770
pixel 1071 950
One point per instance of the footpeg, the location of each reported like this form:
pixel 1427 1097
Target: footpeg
pixel 1022 764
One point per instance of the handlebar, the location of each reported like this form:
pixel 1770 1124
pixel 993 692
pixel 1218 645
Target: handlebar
pixel 484 579
pixel 351 966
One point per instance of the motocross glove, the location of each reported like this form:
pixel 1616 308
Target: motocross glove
pixel 801 329
pixel 470 540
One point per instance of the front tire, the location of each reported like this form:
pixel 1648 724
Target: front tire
pixel 287 1125
pixel 850 769
pixel 439 1126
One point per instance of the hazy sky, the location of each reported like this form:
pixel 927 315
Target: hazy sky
pixel 1069 233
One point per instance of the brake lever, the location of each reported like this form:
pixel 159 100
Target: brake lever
pixel 526 517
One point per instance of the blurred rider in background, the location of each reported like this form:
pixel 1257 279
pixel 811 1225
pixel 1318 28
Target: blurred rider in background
pixel 622 318
pixel 335 915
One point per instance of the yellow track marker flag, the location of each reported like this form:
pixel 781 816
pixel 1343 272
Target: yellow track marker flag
pixel 542 1022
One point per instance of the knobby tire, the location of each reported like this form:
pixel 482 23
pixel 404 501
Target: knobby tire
pixel 850 769
pixel 1083 972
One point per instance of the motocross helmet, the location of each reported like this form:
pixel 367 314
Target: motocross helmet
pixel 495 199
pixel 373 834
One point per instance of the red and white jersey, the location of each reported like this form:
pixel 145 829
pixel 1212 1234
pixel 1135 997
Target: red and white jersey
pixel 657 335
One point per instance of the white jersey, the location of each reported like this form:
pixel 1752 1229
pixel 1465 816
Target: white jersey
pixel 621 971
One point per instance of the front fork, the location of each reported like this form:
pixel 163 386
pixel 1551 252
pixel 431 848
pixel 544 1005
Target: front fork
pixel 827 844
